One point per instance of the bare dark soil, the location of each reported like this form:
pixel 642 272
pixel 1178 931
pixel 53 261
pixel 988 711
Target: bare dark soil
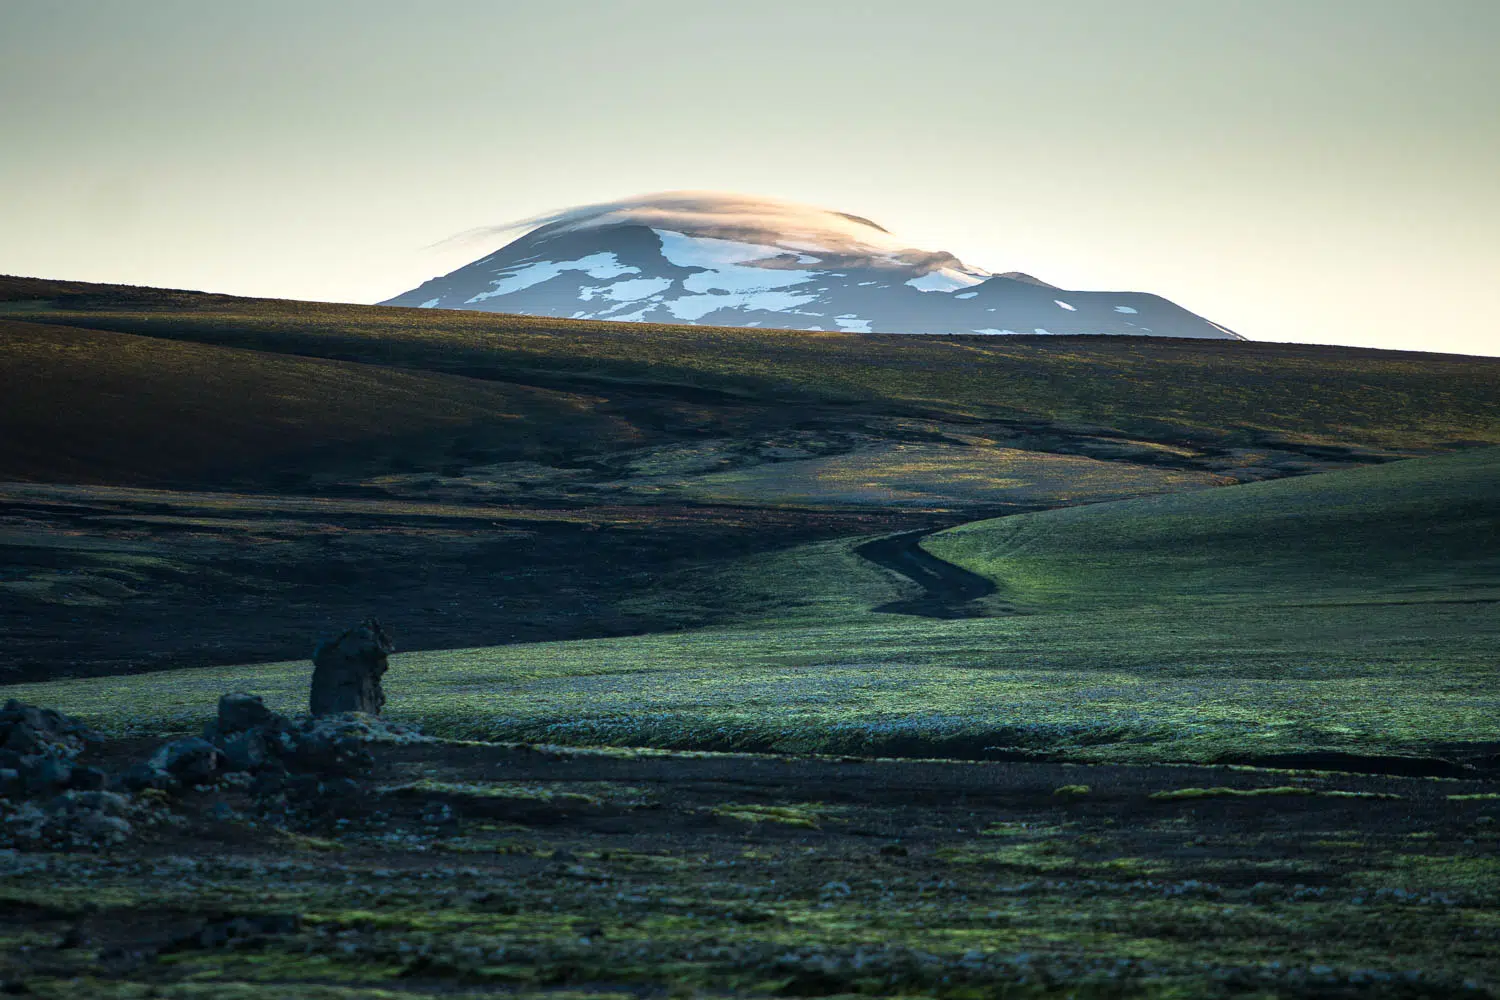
pixel 119 581
pixel 479 869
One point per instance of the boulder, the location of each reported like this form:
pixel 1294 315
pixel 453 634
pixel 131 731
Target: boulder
pixel 245 751
pixel 347 671
pixel 26 730
pixel 239 712
pixel 43 775
pixel 193 760
pixel 143 775
pixel 319 752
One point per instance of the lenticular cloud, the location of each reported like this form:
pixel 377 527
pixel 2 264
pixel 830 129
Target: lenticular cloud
pixel 741 218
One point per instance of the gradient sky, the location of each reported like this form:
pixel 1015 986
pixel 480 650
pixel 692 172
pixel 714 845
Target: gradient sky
pixel 1310 170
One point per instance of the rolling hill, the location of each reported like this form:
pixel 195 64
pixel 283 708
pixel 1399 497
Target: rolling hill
pixel 1256 623
pixel 481 480
pixel 1407 533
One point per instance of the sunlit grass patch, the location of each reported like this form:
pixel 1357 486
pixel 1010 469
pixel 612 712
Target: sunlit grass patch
pixel 1176 794
pixel 305 842
pixel 1221 792
pixel 810 815
pixel 1045 857
pixel 924 475
pixel 487 790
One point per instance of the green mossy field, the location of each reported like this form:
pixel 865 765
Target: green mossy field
pixel 1241 623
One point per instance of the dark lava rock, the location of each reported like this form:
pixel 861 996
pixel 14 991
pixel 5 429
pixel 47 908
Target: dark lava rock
pixel 26 730
pixel 269 782
pixel 239 712
pixel 323 753
pixel 347 671
pixel 144 775
pixel 245 751
pixel 193 760
pixel 43 775
pixel 87 779
pixel 72 819
pixel 22 738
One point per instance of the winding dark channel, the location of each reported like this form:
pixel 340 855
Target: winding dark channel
pixel 949 590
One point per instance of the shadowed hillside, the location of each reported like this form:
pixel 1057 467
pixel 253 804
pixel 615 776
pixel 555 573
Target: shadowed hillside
pixel 1249 410
pixel 88 406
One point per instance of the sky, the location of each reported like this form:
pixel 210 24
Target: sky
pixel 1323 171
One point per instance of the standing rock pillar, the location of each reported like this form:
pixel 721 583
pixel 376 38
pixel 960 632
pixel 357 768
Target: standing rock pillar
pixel 347 671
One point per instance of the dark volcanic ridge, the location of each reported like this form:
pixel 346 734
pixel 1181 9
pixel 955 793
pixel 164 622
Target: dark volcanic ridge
pixel 724 260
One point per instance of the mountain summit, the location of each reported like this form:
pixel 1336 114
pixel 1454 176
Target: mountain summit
pixel 731 260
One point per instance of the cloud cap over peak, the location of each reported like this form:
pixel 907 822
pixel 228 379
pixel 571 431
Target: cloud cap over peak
pixel 837 237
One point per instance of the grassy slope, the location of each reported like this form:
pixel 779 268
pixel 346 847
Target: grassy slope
pixel 1408 532
pixel 98 407
pixel 1287 657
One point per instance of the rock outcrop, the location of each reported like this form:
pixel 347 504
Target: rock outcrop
pixel 38 748
pixel 306 768
pixel 347 671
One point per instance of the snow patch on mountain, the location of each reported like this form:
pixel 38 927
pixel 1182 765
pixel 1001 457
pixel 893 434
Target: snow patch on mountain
pixel 945 279
pixel 598 265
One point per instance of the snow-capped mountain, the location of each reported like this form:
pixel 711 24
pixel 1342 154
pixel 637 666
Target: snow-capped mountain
pixel 728 260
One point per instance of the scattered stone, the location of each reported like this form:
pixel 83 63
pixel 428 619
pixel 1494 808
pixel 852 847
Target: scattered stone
pixel 44 775
pixel 347 671
pixel 141 776
pixel 194 760
pixel 76 819
pixel 245 751
pixel 367 729
pixel 26 730
pixel 308 768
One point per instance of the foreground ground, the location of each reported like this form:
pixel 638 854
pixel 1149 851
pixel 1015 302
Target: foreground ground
pixel 467 870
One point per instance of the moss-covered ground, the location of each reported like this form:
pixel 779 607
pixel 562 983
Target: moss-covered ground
pixel 475 870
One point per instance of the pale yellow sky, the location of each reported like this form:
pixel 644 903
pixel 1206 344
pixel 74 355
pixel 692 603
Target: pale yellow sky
pixel 1308 170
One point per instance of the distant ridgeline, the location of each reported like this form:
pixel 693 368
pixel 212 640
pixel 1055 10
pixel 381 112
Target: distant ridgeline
pixel 721 260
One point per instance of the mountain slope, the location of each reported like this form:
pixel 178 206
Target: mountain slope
pixel 725 261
